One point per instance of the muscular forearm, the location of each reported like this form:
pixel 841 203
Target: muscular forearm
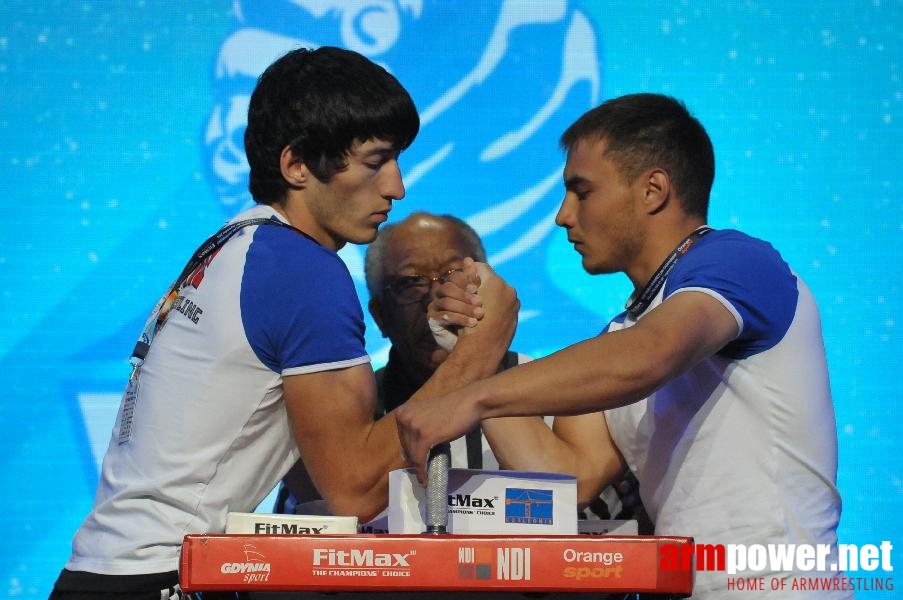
pixel 582 378
pixel 474 358
pixel 347 455
pixel 578 446
pixel 354 478
pixel 613 369
pixel 372 450
pixel 601 373
pixel 525 444
pixel 479 349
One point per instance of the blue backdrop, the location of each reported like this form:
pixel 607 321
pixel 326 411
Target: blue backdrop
pixel 121 125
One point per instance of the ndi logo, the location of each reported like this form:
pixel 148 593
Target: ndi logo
pixel 528 506
pixel 511 563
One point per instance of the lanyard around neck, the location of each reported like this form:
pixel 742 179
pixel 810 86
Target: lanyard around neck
pixel 204 251
pixel 639 302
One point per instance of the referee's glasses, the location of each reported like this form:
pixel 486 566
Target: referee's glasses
pixel 409 289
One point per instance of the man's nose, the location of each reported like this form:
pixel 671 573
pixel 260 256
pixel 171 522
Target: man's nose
pixel 393 183
pixel 564 216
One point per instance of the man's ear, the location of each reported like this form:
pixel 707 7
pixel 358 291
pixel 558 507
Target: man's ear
pixel 376 311
pixel 657 191
pixel 293 170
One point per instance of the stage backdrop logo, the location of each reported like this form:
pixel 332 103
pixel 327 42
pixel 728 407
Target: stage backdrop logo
pixel 496 83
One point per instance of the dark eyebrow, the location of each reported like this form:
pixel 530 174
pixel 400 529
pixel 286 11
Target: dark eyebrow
pixel 381 155
pixel 574 181
pixel 374 151
pixel 381 151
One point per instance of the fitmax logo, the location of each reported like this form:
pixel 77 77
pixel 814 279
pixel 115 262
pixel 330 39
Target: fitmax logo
pixel 286 528
pixel 358 558
pixel 466 500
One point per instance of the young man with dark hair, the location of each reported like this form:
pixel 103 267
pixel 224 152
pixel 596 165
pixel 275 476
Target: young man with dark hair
pixel 713 381
pixel 255 357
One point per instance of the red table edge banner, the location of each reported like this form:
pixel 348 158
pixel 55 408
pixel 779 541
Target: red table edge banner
pixel 390 562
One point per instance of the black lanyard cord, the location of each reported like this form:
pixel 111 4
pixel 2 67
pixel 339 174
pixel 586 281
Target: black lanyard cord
pixel 206 249
pixel 639 302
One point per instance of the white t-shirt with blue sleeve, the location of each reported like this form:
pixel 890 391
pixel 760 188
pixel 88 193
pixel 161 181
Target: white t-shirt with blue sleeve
pixel 741 449
pixel 209 430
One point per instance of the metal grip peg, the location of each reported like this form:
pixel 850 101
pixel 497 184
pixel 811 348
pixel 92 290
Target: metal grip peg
pixel 437 488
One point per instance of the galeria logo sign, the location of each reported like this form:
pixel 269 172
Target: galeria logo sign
pixel 528 506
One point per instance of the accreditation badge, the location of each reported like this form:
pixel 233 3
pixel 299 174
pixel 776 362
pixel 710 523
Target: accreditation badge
pixel 127 407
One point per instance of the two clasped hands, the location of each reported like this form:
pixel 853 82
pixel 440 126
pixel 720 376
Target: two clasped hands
pixel 475 303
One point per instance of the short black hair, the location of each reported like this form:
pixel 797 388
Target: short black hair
pixel 320 103
pixel 642 131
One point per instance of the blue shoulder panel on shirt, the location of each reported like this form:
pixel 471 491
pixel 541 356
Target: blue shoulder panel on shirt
pixel 618 319
pixel 298 303
pixel 751 275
